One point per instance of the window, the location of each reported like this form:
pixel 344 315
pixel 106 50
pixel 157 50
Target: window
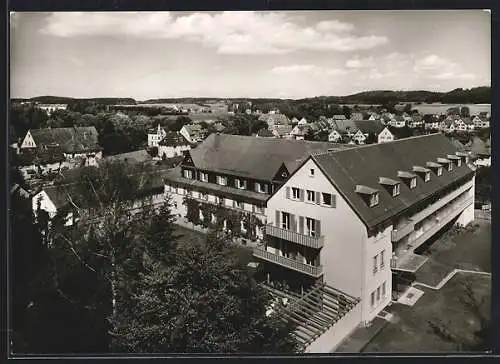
pixel 378 293
pixel 203 196
pixel 221 180
pixel 373 199
pixel 396 190
pixel 261 187
pixel 295 193
pixel 311 196
pixel 372 299
pixel 427 177
pixel 383 290
pixel 188 174
pixel 311 172
pixel 328 199
pixel 439 171
pixel 259 210
pixel 459 162
pixel 413 182
pixel 203 176
pixel 375 265
pixel 285 220
pixel 238 183
pixel 239 204
pixel 382 260
pixel 310 226
pixel 450 167
pixel 219 200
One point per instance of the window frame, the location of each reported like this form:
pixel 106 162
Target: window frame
pixel 413 183
pixel 396 190
pixel 311 172
pixel 375 264
pixel 285 220
pixel 427 176
pixel 311 227
pixel 323 199
pixel 374 199
pixel 313 200
pixel 295 189
pixel 221 178
pixel 202 175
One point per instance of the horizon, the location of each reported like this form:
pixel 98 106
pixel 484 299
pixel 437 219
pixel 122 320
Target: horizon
pixel 238 55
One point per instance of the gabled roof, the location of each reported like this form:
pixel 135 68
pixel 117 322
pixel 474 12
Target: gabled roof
pixel 363 166
pixel 174 139
pixel 193 128
pixel 275 119
pixel 258 158
pixel 369 126
pixel 282 130
pixel 70 140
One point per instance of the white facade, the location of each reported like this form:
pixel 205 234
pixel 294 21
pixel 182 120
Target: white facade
pixel 385 136
pixel 28 141
pixel 156 137
pixel 170 151
pixel 347 247
pixel 50 108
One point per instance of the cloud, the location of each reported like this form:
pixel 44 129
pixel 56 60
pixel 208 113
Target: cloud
pixel 360 63
pixel 308 69
pixel 228 32
pixel 438 68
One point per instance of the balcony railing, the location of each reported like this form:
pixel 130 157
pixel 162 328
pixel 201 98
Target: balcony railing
pixel 407 228
pixel 289 235
pixel 444 218
pixel 314 271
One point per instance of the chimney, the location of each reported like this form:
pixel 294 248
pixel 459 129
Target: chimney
pixel 217 141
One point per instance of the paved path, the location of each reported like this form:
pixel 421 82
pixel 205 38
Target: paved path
pixel 448 277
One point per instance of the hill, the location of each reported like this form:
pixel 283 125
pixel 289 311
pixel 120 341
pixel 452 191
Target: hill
pixel 67 100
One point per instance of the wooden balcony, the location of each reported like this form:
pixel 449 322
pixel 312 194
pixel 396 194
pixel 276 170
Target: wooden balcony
pixel 313 271
pixel 295 237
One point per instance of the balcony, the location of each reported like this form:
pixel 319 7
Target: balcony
pixel 313 271
pixel 406 228
pixel 442 219
pixel 315 242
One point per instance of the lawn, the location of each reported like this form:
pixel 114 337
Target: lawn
pixel 413 334
pixel 469 250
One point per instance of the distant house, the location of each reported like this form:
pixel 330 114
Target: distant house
pixel 374 116
pixel 398 121
pixel 295 120
pixel 78 145
pixel 274 119
pixel 335 136
pixel 155 135
pixel 431 122
pixel 264 133
pixel 281 131
pixel 481 122
pixel 300 131
pixel 50 108
pixel 416 121
pixel 193 133
pixel 357 116
pixel 470 126
pixel 339 117
pixel 302 121
pixel 172 145
pixel 385 136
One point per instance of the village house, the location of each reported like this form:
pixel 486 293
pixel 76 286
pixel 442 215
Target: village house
pixel 172 145
pixel 480 122
pixel 431 122
pixel 416 121
pixel 281 131
pixel 300 131
pixel 193 133
pixel 155 135
pixel 50 108
pixel 349 221
pixel 357 116
pixel 360 132
pixel 274 119
pixel 397 121
pixel 264 133
pixel 50 149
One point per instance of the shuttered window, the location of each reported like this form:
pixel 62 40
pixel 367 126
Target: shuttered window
pixel 311 196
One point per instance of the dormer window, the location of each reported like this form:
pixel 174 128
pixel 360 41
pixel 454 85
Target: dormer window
pixel 425 173
pixel 409 178
pixel 221 180
pixel 463 156
pixel 393 186
pixel 446 163
pixel 240 184
pixel 203 177
pixel 456 159
pixel 311 172
pixel 188 174
pixel 436 167
pixel 369 195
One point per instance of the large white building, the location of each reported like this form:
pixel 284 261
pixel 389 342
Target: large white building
pixel 340 224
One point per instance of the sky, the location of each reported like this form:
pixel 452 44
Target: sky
pixel 287 54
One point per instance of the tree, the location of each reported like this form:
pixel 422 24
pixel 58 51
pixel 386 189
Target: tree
pixel 407 108
pixel 464 112
pixel 202 302
pixel 180 122
pixel 346 110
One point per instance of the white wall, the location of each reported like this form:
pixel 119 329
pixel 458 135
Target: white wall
pixel 45 203
pixel 28 141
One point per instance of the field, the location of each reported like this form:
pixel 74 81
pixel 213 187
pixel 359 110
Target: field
pixel 441 108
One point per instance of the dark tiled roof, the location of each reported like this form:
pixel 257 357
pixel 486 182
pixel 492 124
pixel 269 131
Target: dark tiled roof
pixel 173 139
pixel 71 140
pixel 258 158
pixel 364 165
pixel 369 126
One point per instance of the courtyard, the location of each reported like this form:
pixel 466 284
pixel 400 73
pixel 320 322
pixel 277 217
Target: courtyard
pixel 412 329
